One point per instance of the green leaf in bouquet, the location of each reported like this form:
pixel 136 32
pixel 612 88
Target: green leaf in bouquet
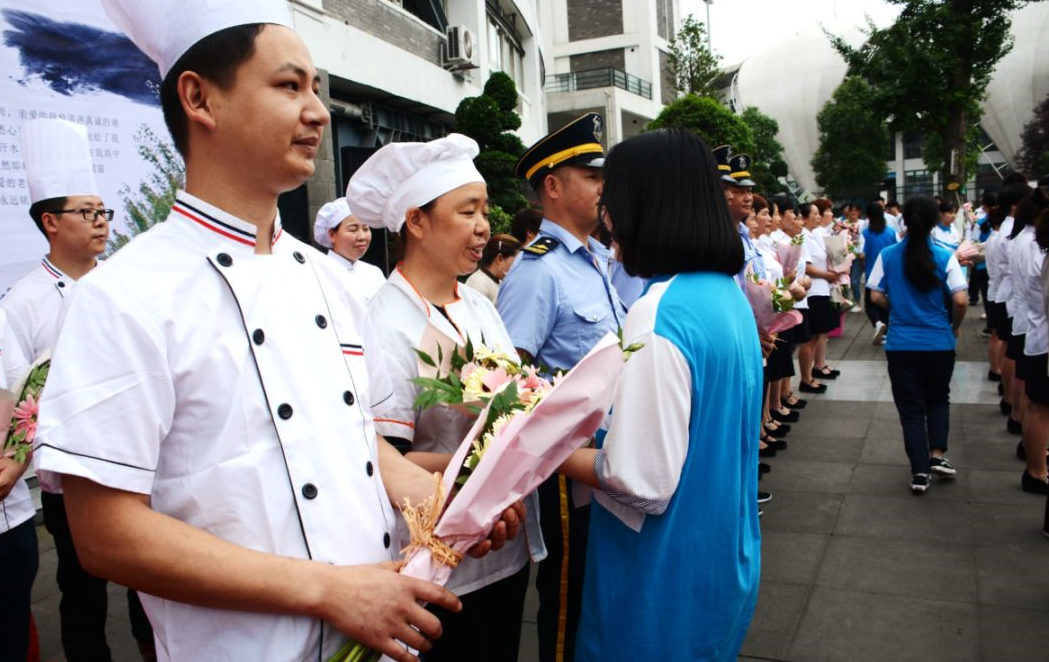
pixel 425 358
pixel 469 349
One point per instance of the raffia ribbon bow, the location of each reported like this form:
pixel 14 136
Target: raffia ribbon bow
pixel 421 521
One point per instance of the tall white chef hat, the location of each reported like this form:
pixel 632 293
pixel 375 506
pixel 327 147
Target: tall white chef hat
pixel 404 175
pixel 329 216
pixel 165 29
pixel 57 159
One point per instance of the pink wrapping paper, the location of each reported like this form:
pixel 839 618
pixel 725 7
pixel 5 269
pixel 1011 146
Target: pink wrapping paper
pixel 759 296
pixel 788 255
pixel 966 251
pixel 527 451
pixel 839 260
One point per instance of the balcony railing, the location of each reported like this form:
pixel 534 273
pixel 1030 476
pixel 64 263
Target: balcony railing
pixel 595 78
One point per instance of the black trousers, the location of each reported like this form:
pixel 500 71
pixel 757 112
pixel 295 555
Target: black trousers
pixel 84 602
pixel 874 313
pixel 489 626
pixel 19 559
pixel 978 281
pixel 921 388
pixel 559 577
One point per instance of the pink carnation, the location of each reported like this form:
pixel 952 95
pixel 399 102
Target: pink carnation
pixel 25 418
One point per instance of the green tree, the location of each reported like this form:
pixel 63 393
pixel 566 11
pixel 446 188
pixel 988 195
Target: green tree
pixel 1033 157
pixel 151 202
pixel 693 67
pixel 928 72
pixel 714 123
pixel 850 159
pixel 489 119
pixel 767 150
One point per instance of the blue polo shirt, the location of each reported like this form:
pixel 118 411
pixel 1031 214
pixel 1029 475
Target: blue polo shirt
pixel 919 321
pixel 873 244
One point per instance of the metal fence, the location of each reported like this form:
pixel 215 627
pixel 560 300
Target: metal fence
pixel 595 78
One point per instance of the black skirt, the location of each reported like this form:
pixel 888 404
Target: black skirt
pixel 1005 324
pixel 802 332
pixel 780 362
pixel 822 316
pixel 1015 348
pixel 1036 381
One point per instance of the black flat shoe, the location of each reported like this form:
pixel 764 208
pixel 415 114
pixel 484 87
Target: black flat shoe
pixel 826 373
pixel 1012 425
pixel 993 376
pixel 1029 483
pixel 1005 407
pixel 768 451
pixel 776 433
pixel 764 468
pixel 1001 389
pixel 777 445
pixel 789 417
pixel 807 388
pixel 800 404
pixel 1021 452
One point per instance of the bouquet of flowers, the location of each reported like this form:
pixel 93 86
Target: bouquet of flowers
pixel 790 254
pixel 772 303
pixel 969 251
pixel 527 428
pixel 19 407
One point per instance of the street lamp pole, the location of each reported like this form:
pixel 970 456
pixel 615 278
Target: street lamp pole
pixel 708 3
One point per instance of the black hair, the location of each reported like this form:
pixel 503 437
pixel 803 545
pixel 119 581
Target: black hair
pixel 41 207
pixel 666 206
pixel 989 199
pixel 948 207
pixel 879 199
pixel 1008 197
pixel 760 203
pixel 876 218
pixel 892 203
pixel 526 221
pixel 215 57
pixel 1015 178
pixel 805 209
pixel 920 214
pixel 784 202
pixel 1041 232
pixel 500 244
pixel 1028 210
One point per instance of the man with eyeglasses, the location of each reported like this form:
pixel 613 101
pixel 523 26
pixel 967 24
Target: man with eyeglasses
pixel 67 209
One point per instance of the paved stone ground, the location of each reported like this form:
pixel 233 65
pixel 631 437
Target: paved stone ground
pixel 856 569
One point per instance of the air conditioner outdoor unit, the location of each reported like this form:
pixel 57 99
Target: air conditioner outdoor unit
pixel 459 52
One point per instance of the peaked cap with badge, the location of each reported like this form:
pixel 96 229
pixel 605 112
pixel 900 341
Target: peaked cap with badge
pixel 722 155
pixel 739 167
pixel 577 143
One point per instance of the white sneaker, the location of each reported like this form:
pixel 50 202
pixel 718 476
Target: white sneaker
pixel 856 309
pixel 879 333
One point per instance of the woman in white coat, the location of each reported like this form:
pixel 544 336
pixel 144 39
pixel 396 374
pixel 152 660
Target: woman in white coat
pixel 347 240
pixel 432 194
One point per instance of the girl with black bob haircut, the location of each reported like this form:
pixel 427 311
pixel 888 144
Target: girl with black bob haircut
pixel 668 217
pixel 690 398
pixel 924 287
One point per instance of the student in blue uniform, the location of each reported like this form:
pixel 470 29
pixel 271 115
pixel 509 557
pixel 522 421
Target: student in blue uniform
pixel 673 565
pixel 557 301
pixel 915 279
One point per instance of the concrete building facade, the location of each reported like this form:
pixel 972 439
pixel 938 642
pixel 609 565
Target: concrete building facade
pixel 608 56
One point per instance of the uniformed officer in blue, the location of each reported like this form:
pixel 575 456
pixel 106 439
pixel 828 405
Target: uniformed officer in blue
pixel 740 205
pixel 557 301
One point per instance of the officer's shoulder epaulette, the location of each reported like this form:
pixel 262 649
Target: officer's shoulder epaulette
pixel 541 246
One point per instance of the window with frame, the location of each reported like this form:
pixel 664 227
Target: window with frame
pixel 505 52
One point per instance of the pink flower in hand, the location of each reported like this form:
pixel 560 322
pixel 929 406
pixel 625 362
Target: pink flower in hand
pixel 25 418
pixel 531 379
pixel 494 379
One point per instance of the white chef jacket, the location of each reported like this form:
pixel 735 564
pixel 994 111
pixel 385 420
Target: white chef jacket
pixel 1018 302
pixel 366 278
pixel 18 506
pixel 989 248
pixel 485 284
pixel 405 321
pixel 1002 269
pixel 1027 282
pixel 33 306
pixel 234 389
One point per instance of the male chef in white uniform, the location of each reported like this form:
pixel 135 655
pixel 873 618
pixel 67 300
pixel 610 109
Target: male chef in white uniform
pixel 209 408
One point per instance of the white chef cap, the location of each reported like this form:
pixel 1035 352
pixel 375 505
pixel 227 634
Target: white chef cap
pixel 329 216
pixel 57 159
pixel 404 175
pixel 165 29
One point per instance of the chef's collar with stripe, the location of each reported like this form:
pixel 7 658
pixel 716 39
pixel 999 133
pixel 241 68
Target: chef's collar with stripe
pixel 52 270
pixel 223 225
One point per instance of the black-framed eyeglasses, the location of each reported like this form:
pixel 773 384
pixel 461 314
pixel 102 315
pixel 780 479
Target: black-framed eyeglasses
pixel 90 215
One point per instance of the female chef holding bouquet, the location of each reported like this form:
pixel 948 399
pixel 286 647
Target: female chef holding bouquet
pixel 673 562
pixel 432 195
